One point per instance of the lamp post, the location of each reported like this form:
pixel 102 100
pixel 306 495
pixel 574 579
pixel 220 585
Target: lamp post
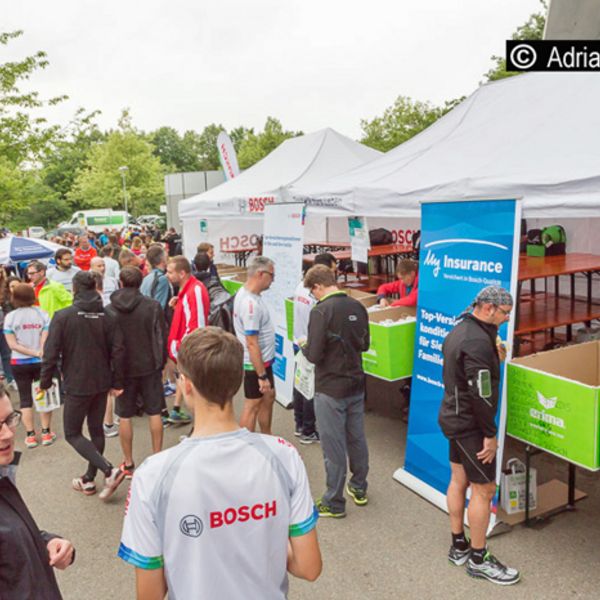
pixel 123 170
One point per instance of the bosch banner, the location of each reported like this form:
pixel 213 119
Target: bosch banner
pixel 465 246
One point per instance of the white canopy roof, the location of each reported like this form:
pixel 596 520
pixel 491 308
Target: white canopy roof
pixel 534 136
pixel 303 160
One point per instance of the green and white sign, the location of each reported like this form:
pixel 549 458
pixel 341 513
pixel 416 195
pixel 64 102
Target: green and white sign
pixel 554 413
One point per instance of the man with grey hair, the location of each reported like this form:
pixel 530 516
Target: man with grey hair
pixel 472 354
pixel 254 328
pixel 109 284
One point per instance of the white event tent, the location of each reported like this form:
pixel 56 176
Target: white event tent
pixel 532 136
pixel 236 207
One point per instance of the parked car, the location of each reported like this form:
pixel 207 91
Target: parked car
pixel 35 232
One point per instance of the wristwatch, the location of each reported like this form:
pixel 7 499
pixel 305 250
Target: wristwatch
pixel 263 377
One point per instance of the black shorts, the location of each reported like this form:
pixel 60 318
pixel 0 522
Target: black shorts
pixel 25 375
pixel 463 451
pixel 150 390
pixel 251 389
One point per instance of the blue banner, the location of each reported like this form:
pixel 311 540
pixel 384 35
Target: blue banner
pixel 465 246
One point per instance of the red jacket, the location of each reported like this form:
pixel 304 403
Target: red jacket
pixel 397 287
pixel 82 258
pixel 191 312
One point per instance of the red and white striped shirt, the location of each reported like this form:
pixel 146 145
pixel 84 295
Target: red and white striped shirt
pixel 191 312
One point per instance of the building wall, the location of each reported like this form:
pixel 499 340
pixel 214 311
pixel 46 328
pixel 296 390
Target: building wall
pixel 179 186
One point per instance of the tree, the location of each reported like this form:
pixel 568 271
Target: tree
pixel 68 155
pixel 255 147
pixel 23 137
pixel 177 153
pixel 532 29
pixel 99 184
pixel 401 121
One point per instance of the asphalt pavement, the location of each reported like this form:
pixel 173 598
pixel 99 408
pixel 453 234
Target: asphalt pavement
pixel 395 547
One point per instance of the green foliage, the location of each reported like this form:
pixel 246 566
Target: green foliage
pixel 532 29
pixel 99 183
pixel 23 137
pixel 68 155
pixel 254 147
pixel 401 121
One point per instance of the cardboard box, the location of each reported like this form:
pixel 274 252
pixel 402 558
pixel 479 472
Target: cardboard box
pixel 391 353
pixel 364 298
pixel 553 402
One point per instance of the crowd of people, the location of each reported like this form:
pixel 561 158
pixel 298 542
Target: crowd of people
pixel 120 323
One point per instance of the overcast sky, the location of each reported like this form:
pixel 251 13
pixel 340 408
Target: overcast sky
pixel 310 63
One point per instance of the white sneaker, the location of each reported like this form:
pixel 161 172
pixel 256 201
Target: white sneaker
pixel 111 430
pixel 111 483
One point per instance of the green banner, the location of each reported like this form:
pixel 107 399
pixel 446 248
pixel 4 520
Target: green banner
pixel 555 414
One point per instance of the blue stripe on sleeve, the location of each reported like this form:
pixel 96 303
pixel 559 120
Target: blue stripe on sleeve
pixel 138 560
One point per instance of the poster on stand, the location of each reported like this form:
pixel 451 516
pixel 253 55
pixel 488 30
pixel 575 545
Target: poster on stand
pixel 465 246
pixel 282 242
pixel 359 239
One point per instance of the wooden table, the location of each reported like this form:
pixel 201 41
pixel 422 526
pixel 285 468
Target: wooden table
pixel 388 252
pixel 543 311
pixel 369 284
pixel 241 254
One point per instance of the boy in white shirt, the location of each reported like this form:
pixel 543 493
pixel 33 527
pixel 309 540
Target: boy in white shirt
pixel 226 513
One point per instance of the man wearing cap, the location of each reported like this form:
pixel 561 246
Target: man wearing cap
pixel 468 419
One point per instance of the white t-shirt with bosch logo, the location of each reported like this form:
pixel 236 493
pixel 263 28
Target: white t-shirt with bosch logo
pixel 251 317
pixel 216 513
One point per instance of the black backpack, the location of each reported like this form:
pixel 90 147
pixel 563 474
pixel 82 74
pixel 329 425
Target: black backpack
pixel 380 237
pixel 221 315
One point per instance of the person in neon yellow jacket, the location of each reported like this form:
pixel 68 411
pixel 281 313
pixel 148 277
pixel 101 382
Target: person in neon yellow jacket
pixel 51 296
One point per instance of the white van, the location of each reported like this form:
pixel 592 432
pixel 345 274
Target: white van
pixel 99 219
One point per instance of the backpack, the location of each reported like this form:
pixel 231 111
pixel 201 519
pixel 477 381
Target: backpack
pixel 380 237
pixel 221 315
pixel 554 239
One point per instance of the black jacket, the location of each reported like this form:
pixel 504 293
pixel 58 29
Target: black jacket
pixel 142 321
pixel 471 379
pixel 25 573
pixel 90 345
pixel 338 333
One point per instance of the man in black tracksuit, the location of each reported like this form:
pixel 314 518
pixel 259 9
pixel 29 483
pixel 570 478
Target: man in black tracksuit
pixel 467 416
pixel 142 321
pixel 90 346
pixel 338 334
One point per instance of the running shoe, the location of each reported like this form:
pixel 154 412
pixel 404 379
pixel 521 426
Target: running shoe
pixel 359 496
pixel 87 488
pixel 169 389
pixel 31 441
pixel 458 557
pixel 327 511
pixel 127 469
pixel 179 417
pixel 165 421
pixel 111 430
pixel 111 483
pixel 298 431
pixel 493 570
pixel 313 438
pixel 48 438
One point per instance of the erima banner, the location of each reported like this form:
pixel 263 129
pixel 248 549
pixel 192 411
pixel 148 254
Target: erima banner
pixel 282 242
pixel 465 246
